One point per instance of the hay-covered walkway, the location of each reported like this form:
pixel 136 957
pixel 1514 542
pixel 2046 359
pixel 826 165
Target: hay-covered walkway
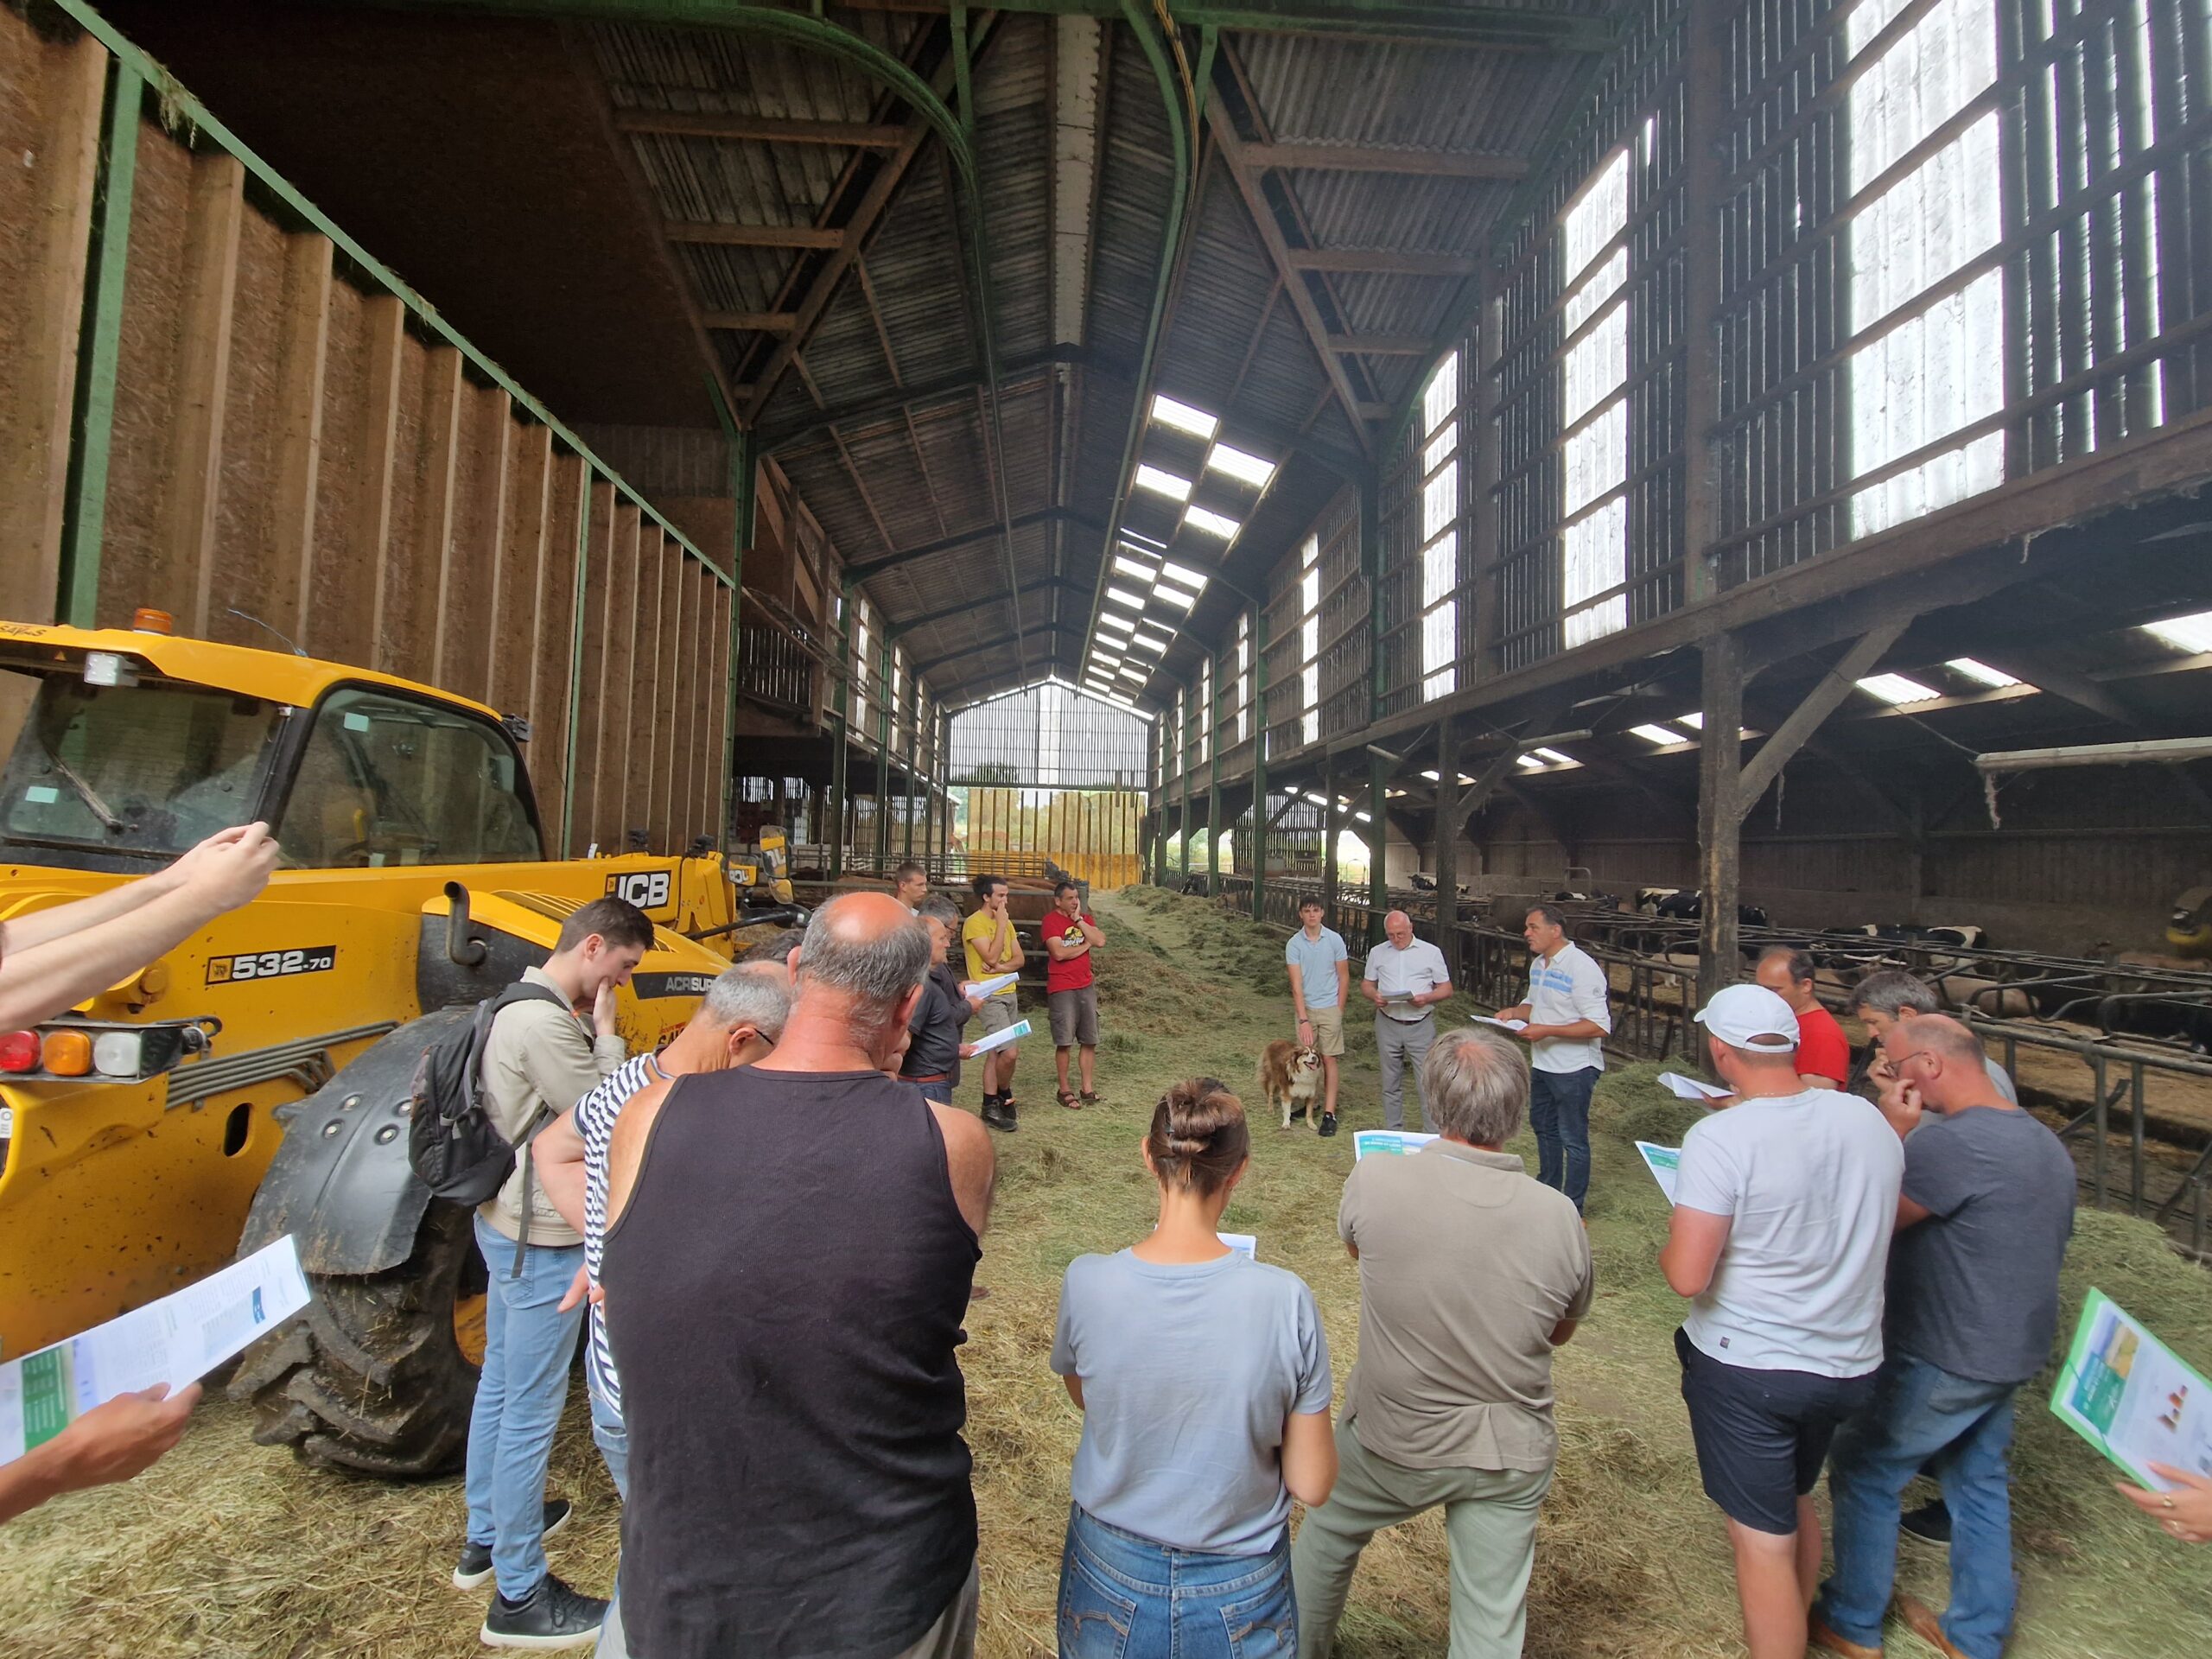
pixel 228 1549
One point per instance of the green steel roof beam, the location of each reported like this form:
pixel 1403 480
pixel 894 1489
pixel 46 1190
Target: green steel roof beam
pixel 1506 28
pixel 1181 129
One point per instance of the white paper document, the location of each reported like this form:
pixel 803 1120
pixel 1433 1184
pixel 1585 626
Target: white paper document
pixel 1389 1142
pixel 1684 1088
pixel 2132 1397
pixel 1242 1243
pixel 1665 1164
pixel 1503 1024
pixel 990 987
pixel 1013 1033
pixel 176 1340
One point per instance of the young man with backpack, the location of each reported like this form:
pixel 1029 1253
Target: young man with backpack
pixel 539 1060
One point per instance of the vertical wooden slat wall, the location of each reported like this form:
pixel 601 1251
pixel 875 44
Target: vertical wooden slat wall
pixel 294 461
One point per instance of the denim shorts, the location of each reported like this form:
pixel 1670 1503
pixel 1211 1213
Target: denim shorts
pixel 1125 1597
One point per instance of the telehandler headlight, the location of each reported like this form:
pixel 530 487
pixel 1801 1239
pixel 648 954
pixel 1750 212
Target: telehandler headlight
pixel 115 1052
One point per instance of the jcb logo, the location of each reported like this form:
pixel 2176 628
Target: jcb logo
pixel 646 889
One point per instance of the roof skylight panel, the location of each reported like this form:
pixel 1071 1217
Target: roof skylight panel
pixel 2192 634
pixel 1897 689
pixel 1213 523
pixel 1245 469
pixel 1184 417
pixel 1161 482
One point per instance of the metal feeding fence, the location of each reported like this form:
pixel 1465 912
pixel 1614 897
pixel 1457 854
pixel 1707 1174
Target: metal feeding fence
pixel 1092 834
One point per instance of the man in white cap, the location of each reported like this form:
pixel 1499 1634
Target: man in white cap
pixel 1784 1207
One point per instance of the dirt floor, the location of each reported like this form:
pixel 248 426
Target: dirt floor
pixel 227 1548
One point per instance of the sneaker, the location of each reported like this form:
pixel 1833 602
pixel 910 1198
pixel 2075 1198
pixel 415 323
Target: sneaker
pixel 1328 1123
pixel 553 1617
pixel 473 1570
pixel 1931 1523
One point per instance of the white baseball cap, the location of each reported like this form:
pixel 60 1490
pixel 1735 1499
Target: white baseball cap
pixel 1750 1017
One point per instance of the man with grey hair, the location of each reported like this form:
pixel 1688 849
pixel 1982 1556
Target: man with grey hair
pixel 1406 978
pixel 1451 1402
pixel 737 1022
pixel 789 1250
pixel 1890 995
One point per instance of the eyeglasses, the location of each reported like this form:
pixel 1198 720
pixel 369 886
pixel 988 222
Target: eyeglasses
pixel 1917 1054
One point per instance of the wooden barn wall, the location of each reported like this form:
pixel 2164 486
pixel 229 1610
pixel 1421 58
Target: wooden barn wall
pixel 2073 864
pixel 291 457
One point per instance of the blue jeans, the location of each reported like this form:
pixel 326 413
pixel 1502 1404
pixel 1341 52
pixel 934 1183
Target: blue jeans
pixel 1559 1112
pixel 1123 1597
pixel 527 1348
pixel 940 1092
pixel 613 1441
pixel 1963 1430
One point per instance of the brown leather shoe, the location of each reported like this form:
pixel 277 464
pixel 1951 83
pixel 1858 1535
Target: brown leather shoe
pixel 1923 1623
pixel 1826 1638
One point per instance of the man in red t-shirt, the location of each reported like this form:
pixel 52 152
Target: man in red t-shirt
pixel 1823 1056
pixel 1069 936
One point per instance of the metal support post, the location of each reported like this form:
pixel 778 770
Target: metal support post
pixel 1706 106
pixel 99 352
pixel 1331 878
pixel 1259 764
pixel 1378 772
pixel 1444 862
pixel 1213 781
pixel 1378 840
pixel 1719 824
pixel 882 836
pixel 833 817
pixel 576 662
pixel 741 481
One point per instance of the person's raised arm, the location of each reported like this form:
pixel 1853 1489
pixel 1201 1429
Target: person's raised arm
pixel 60 971
pixel 1090 932
pixel 560 1062
pixel 972 1163
pixel 1309 1456
pixel 625 1148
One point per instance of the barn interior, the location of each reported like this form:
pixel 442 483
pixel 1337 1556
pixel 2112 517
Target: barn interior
pixel 1438 454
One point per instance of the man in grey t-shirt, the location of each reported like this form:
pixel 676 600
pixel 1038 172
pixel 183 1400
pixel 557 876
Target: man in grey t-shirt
pixel 1986 1208
pixel 1451 1404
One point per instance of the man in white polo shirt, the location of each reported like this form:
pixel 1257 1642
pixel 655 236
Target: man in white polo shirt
pixel 1567 1024
pixel 1405 978
pixel 1783 1206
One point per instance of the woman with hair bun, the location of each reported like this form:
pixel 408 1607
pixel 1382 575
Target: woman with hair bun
pixel 1204 1380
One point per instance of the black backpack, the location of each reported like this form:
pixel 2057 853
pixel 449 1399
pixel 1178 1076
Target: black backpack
pixel 452 1143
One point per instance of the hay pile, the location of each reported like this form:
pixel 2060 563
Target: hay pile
pixel 228 1549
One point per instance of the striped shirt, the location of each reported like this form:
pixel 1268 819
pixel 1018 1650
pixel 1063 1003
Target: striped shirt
pixel 596 1116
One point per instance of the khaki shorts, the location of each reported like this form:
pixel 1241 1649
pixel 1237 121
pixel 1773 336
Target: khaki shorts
pixel 1328 1029
pixel 997 1013
pixel 1075 1017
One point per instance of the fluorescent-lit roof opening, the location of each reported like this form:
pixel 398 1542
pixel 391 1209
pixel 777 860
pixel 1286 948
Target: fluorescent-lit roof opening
pixel 1557 759
pixel 1245 469
pixel 1695 721
pixel 1212 523
pixel 2192 634
pixel 1194 580
pixel 1126 596
pixel 1661 736
pixel 1897 689
pixel 1183 417
pixel 1162 483
pixel 1528 760
pixel 1174 595
pixel 1982 673
pixel 1129 567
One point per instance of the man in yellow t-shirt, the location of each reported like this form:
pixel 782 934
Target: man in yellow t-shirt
pixel 988 938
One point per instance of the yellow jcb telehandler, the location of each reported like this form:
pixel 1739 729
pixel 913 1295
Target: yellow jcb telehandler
pixel 254 1082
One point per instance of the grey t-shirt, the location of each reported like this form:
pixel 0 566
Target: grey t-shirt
pixel 1188 1374
pixel 1974 1288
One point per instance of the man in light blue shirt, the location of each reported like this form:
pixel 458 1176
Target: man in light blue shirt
pixel 1320 978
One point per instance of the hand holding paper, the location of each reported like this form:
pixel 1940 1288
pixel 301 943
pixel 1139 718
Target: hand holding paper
pixel 1503 1024
pixel 1684 1088
pixel 1665 1164
pixel 990 987
pixel 1013 1033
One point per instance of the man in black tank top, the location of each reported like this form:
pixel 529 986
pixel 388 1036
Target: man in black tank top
pixel 790 1249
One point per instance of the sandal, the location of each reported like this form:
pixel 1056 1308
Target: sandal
pixel 1068 1099
pixel 1090 1098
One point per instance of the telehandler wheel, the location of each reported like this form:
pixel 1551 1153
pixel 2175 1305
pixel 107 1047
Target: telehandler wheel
pixel 379 1373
